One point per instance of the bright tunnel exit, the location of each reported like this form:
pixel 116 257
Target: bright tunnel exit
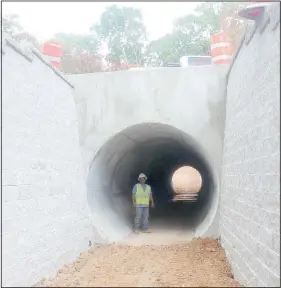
pixel 157 150
pixel 186 184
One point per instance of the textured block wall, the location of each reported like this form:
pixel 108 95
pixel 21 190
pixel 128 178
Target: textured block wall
pixel 250 202
pixel 45 214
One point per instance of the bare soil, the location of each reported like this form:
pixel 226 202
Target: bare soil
pixel 199 263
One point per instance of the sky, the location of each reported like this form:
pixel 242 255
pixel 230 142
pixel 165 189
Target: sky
pixel 44 19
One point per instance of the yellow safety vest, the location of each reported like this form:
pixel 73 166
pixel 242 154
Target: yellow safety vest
pixel 142 196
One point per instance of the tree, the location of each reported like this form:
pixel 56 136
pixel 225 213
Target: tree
pixel 11 24
pixel 122 29
pixel 208 18
pixel 186 38
pixel 78 44
pixel 191 33
pixel 161 51
pixel 27 37
pixel 190 36
pixel 232 24
pixel 77 64
pixel 79 53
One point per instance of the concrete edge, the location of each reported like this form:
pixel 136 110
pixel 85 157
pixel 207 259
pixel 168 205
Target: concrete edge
pixel 17 48
pixel 235 56
pixel 27 50
pixel 57 72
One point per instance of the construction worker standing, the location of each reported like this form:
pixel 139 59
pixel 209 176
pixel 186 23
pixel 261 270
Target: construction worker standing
pixel 142 197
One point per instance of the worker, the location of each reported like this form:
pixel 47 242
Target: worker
pixel 142 197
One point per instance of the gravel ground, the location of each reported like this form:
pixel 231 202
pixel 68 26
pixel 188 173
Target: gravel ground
pixel 199 263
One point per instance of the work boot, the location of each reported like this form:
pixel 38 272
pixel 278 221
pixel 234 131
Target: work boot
pixel 136 231
pixel 146 231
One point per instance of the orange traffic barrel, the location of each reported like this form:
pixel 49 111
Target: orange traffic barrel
pixel 221 48
pixel 52 52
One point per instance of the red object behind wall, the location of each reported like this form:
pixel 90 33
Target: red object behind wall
pixel 52 52
pixel 221 48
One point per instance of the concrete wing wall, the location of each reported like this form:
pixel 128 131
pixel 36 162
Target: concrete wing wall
pixel 45 214
pixel 250 206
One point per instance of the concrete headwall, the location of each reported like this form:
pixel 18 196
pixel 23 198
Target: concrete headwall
pixel 45 214
pixel 191 99
pixel 250 206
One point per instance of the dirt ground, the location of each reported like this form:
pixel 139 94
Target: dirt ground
pixel 199 263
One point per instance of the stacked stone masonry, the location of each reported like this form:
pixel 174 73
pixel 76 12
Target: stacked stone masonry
pixel 45 220
pixel 250 200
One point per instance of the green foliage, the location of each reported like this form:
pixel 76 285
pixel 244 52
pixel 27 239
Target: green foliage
pixel 79 53
pixel 77 44
pixel 209 17
pixel 11 24
pixel 191 33
pixel 25 36
pixel 233 24
pixel 122 29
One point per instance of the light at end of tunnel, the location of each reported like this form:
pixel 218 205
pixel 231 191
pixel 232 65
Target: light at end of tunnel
pixel 158 150
pixel 186 184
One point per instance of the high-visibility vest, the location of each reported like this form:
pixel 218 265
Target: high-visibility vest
pixel 142 195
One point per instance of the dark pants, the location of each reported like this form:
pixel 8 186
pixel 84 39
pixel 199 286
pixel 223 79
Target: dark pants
pixel 141 219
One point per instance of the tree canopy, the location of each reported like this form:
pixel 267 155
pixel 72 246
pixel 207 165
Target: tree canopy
pixel 80 53
pixel 78 44
pixel 191 33
pixel 122 31
pixel 11 24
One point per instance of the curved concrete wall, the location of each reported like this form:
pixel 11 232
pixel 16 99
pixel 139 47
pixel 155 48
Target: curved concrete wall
pixel 157 150
pixel 189 99
pixel 250 207
pixel 45 214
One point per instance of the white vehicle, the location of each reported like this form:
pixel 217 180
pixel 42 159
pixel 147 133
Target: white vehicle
pixel 195 60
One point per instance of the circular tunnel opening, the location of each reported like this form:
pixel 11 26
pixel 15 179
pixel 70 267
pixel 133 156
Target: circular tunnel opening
pixel 157 150
pixel 186 183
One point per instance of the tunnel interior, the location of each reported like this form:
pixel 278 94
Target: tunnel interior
pixel 157 150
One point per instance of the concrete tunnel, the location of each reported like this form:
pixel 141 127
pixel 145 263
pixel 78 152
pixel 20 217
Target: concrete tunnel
pixel 157 150
pixel 43 175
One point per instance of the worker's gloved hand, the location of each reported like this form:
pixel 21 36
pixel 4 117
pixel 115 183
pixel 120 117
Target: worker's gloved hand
pixel 152 205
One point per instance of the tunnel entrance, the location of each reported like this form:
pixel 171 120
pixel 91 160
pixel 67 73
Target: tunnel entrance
pixel 157 150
